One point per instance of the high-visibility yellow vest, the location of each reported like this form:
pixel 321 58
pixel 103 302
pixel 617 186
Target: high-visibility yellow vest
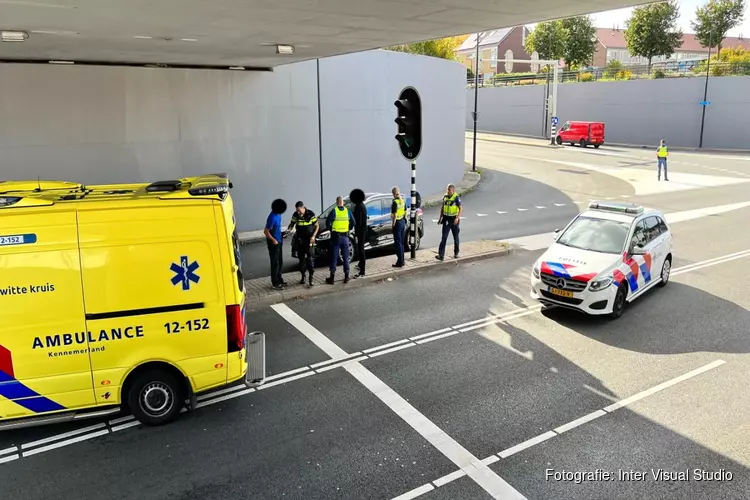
pixel 449 205
pixel 303 222
pixel 400 208
pixel 341 222
pixel 661 152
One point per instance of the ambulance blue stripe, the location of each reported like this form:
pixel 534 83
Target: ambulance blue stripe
pixel 14 390
pixel 646 272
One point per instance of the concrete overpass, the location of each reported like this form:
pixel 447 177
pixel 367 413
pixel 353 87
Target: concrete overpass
pixel 245 33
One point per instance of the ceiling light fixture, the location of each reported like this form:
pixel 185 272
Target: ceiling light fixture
pixel 237 67
pixel 284 49
pixel 140 37
pixel 189 39
pixel 13 36
pixel 44 32
pixel 61 62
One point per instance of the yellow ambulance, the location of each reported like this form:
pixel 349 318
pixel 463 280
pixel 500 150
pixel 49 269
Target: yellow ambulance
pixel 119 297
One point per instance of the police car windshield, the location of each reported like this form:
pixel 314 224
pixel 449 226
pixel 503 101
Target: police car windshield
pixel 596 235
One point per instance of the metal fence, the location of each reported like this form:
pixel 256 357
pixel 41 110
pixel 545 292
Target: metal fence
pixel 656 71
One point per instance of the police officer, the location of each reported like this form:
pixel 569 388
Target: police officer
pixel 661 158
pixel 398 224
pixel 450 216
pixel 340 221
pixel 307 230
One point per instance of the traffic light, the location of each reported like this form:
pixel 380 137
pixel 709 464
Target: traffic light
pixel 409 121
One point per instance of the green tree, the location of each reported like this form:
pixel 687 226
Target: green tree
pixel 549 39
pixel 581 40
pixel 713 20
pixel 652 31
pixel 444 48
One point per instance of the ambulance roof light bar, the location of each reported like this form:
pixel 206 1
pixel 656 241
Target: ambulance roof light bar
pixel 623 208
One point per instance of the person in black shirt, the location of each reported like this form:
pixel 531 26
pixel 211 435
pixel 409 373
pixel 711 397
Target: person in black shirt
pixel 307 230
pixel 357 196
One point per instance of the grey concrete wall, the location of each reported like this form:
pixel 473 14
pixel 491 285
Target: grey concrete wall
pixel 359 145
pixel 114 124
pixel 635 112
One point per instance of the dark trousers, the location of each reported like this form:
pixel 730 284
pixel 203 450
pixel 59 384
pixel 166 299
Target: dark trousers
pixel 449 226
pixel 277 262
pixel 360 251
pixel 339 243
pixel 662 161
pixel 398 239
pixel 305 256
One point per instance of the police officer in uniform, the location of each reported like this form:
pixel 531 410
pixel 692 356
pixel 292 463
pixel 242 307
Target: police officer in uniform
pixel 450 216
pixel 340 221
pixel 661 157
pixel 307 230
pixel 398 223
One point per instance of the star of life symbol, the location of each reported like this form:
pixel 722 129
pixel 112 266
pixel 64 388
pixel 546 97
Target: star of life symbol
pixel 185 273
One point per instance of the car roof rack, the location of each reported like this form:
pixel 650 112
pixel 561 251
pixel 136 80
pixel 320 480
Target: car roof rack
pixel 162 186
pixel 617 206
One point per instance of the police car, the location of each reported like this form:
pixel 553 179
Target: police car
pixel 606 257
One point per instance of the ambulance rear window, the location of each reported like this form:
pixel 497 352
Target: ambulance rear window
pixel 238 259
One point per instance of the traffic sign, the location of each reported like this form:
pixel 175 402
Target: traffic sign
pixel 555 121
pixel 704 103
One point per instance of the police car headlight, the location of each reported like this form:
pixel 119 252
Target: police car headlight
pixel 324 236
pixel 535 270
pixel 600 284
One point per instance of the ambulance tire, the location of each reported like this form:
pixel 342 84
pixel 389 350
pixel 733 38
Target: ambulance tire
pixel 618 306
pixel 156 397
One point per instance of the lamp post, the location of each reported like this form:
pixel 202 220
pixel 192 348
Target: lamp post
pixel 705 88
pixel 474 114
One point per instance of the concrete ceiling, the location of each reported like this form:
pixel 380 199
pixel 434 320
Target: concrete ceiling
pixel 244 32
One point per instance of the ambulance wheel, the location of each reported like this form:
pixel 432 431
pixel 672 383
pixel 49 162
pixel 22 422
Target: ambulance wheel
pixel 156 397
pixel 666 268
pixel 618 306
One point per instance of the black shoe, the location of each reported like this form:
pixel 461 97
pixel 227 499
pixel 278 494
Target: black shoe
pixel 278 287
pixel 310 281
pixel 361 274
pixel 284 283
pixel 302 281
pixel 346 278
pixel 439 258
pixel 666 179
pixel 329 280
pixel 455 255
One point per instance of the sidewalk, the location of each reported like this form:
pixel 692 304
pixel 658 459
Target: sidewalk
pixel 545 143
pixel 467 184
pixel 259 292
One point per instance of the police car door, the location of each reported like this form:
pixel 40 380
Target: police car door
pixel 657 244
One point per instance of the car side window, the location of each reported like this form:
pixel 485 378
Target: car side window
pixel 639 235
pixel 662 226
pixel 374 208
pixel 652 228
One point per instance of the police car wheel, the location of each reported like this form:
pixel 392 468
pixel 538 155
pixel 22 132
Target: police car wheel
pixel 155 397
pixel 618 306
pixel 666 269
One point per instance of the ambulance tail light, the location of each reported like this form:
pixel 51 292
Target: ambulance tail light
pixel 236 329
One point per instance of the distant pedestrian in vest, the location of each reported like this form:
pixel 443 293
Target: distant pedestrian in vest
pixel 360 228
pixel 661 157
pixel 340 221
pixel 450 216
pixel 274 241
pixel 398 224
pixel 307 228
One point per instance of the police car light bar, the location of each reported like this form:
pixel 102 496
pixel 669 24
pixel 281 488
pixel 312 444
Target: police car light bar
pixel 625 208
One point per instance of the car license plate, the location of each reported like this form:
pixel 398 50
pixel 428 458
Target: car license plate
pixel 561 293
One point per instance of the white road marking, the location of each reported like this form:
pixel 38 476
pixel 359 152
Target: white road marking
pixel 441 336
pixel 559 204
pixel 481 215
pixel 12 449
pixel 228 390
pixel 578 422
pixel 340 358
pixel 409 495
pixel 338 365
pixel 393 349
pixel 435 220
pixel 624 196
pixel 226 397
pixel 385 346
pixel 58 437
pixel 515 315
pixel 664 385
pixel 526 444
pixel 61 444
pixel 283 381
pixel 522 209
pixel 284 374
pixel 713 262
pixel 121 420
pixel 436 332
pixel 125 426
pixel 480 473
pixel 704 212
pixel 501 213
pixel 537 206
pixel 9 459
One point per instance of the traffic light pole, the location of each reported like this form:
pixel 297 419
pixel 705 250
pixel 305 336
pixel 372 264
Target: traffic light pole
pixel 413 227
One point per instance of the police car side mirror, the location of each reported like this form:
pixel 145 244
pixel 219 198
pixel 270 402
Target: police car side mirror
pixel 638 250
pixel 556 234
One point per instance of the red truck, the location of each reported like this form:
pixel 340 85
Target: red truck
pixel 583 133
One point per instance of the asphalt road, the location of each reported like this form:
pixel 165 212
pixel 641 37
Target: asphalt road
pixel 493 373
